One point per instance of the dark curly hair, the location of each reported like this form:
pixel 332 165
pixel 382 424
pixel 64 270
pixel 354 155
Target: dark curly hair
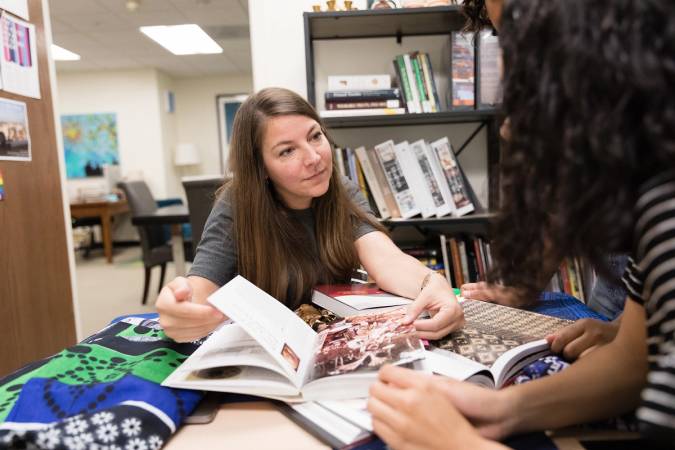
pixel 476 15
pixel 589 87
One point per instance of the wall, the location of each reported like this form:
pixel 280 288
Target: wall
pixel 133 96
pixel 36 285
pixel 196 116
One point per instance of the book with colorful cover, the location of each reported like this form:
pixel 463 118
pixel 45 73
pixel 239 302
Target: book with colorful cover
pixel 495 343
pixel 269 351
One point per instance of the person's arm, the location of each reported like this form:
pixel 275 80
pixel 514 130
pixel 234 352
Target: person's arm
pixel 401 274
pixel 183 311
pixel 604 385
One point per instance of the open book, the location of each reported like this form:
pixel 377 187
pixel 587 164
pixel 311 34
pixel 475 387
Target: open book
pixel 270 352
pixel 495 343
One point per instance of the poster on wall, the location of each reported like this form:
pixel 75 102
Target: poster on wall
pixel 2 187
pixel 227 105
pixel 89 142
pixel 18 62
pixel 14 135
pixel 18 7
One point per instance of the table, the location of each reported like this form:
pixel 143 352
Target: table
pixel 262 425
pixel 175 216
pixel 104 210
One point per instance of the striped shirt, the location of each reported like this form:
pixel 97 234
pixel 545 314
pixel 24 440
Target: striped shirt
pixel 650 281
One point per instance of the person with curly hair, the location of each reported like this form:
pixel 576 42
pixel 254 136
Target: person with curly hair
pixel 589 171
pixel 607 295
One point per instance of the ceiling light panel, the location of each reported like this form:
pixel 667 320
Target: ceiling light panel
pixel 188 39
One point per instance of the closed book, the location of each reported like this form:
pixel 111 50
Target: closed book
pixel 446 260
pixel 431 81
pixel 358 82
pixel 453 176
pixel 456 262
pixel 413 83
pixel 464 260
pixel 363 104
pixel 400 188
pixel 399 67
pixel 416 179
pixel 347 300
pixel 371 179
pixel 462 91
pixel 360 96
pixel 381 179
pixel 479 259
pixel 362 112
pixel 421 88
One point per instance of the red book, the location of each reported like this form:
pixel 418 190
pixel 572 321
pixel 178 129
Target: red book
pixel 355 299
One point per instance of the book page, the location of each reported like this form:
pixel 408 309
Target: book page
pixel 457 367
pixel 285 337
pixel 363 344
pixel 230 346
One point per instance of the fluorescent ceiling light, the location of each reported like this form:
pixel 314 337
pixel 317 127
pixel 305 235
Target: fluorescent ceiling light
pixel 187 39
pixel 61 54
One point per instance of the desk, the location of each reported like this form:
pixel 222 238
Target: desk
pixel 175 216
pixel 251 425
pixel 260 425
pixel 105 211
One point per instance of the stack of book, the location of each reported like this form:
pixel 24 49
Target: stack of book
pixel 362 95
pixel 569 279
pixel 416 78
pixel 408 179
pixel 429 256
pixel 465 259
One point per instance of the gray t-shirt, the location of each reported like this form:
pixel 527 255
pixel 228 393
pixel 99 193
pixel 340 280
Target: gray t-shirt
pixel 216 258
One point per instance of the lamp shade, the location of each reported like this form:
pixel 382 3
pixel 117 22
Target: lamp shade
pixel 186 155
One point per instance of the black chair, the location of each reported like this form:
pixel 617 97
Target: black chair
pixel 155 245
pixel 200 193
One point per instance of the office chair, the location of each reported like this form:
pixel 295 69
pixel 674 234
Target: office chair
pixel 155 245
pixel 200 193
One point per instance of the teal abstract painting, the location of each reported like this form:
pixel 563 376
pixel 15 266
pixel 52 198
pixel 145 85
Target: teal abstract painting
pixel 89 142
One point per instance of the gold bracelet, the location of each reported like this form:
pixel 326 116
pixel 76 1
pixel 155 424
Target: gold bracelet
pixel 426 279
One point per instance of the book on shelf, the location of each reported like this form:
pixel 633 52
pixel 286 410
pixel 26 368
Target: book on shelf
pixel 361 112
pixel 456 182
pixel 495 343
pixel 381 180
pixel 413 174
pixel 569 279
pixel 269 351
pixel 359 82
pixel 371 179
pixel 366 104
pixel 433 177
pixel 398 184
pixel 416 79
pixel 363 95
pixel 462 69
pixel 347 300
pixel 489 70
pixel 465 259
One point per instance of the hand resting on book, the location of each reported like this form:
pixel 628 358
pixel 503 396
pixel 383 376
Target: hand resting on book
pixel 404 418
pixel 580 338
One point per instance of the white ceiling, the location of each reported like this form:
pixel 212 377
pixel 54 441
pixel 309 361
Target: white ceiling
pixel 105 34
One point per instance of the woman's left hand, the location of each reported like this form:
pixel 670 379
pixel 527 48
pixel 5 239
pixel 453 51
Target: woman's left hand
pixel 439 300
pixel 411 410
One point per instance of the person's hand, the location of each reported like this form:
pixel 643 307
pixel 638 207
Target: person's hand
pixel 494 293
pixel 581 337
pixel 411 410
pixel 181 319
pixel 439 300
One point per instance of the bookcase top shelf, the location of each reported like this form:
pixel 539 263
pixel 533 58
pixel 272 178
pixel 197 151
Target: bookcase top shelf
pixel 411 119
pixel 384 22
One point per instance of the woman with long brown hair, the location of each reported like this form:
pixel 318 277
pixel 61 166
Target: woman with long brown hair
pixel 288 221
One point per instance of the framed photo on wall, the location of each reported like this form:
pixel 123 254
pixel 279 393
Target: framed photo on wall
pixel 227 106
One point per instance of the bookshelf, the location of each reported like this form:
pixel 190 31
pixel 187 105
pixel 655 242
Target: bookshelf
pixel 399 24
